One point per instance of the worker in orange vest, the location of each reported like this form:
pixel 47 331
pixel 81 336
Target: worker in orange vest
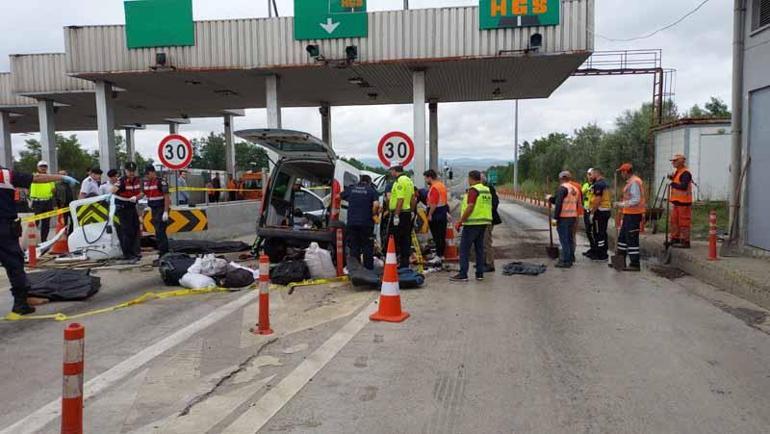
pixel 581 212
pixel 633 208
pixel 681 201
pixel 567 201
pixel 438 211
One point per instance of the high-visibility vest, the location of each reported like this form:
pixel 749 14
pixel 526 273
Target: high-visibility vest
pixel 588 195
pixel 403 188
pixel 641 208
pixel 42 190
pixel 580 208
pixel 681 196
pixel 153 192
pixel 132 187
pixel 442 192
pixel 571 202
pixel 482 210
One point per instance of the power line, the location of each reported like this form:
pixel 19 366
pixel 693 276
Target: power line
pixel 662 29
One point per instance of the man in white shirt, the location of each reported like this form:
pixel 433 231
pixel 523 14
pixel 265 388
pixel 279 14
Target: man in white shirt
pixel 90 185
pixel 112 181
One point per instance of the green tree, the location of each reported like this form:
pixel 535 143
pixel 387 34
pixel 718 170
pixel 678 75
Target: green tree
pixel 363 166
pixel 70 154
pixel 717 108
pixel 210 154
pixel 584 150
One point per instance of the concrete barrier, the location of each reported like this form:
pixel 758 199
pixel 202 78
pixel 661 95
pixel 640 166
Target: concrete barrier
pixel 226 220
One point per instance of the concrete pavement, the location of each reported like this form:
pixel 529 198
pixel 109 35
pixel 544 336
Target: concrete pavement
pixel 580 350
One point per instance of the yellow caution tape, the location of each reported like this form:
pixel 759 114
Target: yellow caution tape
pixel 315 282
pixel 45 215
pixel 149 296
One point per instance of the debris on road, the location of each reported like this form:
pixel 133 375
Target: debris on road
pixel 524 268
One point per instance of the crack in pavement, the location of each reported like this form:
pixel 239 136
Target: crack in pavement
pixel 222 381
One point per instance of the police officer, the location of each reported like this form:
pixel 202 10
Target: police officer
pixel 128 192
pixel 11 255
pixel 400 205
pixel 159 201
pixel 363 205
pixel 42 194
pixel 476 216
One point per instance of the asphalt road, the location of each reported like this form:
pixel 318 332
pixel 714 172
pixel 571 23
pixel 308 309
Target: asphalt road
pixel 585 350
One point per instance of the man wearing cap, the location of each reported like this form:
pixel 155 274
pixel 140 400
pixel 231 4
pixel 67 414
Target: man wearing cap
pixel 438 211
pixel 128 191
pixel 11 256
pixel 402 201
pixel 680 197
pixel 475 217
pixel 566 201
pixel 90 186
pixel 585 190
pixel 633 208
pixel 42 194
pixel 159 201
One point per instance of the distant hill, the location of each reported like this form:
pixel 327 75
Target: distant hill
pixel 462 164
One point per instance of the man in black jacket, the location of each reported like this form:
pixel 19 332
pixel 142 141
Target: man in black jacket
pixel 489 251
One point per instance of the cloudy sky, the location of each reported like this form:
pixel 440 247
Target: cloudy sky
pixel 698 48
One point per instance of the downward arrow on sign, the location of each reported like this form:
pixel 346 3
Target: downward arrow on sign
pixel 330 26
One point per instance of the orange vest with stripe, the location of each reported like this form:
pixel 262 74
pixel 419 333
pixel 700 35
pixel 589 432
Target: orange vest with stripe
pixel 442 192
pixel 641 208
pixel 681 196
pixel 580 209
pixel 570 204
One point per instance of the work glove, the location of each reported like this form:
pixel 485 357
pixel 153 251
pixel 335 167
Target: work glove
pixel 70 181
pixel 396 221
pixel 165 217
pixel 620 204
pixel 133 199
pixel 458 226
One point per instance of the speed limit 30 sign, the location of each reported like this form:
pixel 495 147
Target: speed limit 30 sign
pixel 396 149
pixel 175 152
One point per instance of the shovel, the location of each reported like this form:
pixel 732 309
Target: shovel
pixel 667 245
pixel 551 250
pixel 618 262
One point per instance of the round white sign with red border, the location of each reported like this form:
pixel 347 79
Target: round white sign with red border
pixel 396 148
pixel 175 152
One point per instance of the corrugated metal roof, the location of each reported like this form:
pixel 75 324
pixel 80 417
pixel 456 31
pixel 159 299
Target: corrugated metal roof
pixel 420 34
pixel 7 97
pixel 43 74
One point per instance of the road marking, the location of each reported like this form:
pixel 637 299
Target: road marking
pixel 39 419
pixel 271 403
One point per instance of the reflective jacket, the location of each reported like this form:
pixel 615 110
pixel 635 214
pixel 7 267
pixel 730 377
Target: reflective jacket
pixel 683 197
pixel 570 204
pixel 641 207
pixel 482 210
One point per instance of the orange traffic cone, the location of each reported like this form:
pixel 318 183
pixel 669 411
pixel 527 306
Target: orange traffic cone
pixel 451 254
pixel 390 297
pixel 61 247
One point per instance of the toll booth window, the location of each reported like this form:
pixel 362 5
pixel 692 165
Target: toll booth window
pixel 253 184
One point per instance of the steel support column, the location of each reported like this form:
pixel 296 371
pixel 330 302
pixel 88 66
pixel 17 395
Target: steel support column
pixel 418 93
pixel 433 134
pixel 516 148
pixel 105 121
pixel 6 148
pixel 173 128
pixel 326 123
pixel 273 102
pixel 229 145
pixel 47 134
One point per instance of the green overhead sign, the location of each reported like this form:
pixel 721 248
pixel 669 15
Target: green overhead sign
pixel 159 23
pixel 330 19
pixel 500 14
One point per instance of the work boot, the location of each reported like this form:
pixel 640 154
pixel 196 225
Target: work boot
pixel 563 265
pixel 458 278
pixel 633 268
pixel 20 305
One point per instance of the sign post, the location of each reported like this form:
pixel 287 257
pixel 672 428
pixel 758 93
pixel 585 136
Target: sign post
pixel 330 19
pixel 396 148
pixel 175 152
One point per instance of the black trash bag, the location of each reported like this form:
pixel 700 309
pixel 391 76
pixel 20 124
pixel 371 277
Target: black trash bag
pixel 361 277
pixel 289 272
pixel 173 266
pixel 63 285
pixel 237 278
pixel 524 268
